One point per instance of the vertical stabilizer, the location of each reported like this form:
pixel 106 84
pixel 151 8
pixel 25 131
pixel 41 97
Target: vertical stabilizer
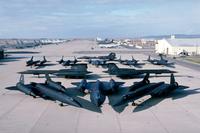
pixel 47 77
pixel 146 78
pixel 21 79
pixel 172 79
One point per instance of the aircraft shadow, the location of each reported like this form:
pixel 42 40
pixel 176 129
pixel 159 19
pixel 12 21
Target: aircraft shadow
pixel 10 59
pixel 113 98
pixel 21 52
pixel 179 93
pixel 45 65
pixel 86 104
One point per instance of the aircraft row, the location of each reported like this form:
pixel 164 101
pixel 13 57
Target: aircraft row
pixel 98 90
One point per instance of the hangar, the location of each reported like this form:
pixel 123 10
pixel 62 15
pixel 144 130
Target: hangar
pixel 175 46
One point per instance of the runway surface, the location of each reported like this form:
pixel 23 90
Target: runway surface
pixel 19 113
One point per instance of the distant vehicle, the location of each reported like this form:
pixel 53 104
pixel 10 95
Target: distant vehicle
pixel 44 91
pixel 104 41
pixel 98 89
pixel 130 72
pixel 67 62
pixel 162 61
pixel 183 53
pixel 76 71
pixel 132 62
pixel 109 57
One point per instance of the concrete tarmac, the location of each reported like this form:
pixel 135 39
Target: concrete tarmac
pixel 19 113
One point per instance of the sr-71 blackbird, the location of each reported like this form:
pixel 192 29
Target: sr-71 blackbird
pixel 98 89
pixel 48 90
pixel 144 87
pixel 130 72
pixel 78 70
pixel 109 57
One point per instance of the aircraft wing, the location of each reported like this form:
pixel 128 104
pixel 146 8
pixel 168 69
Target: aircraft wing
pixel 89 85
pixel 37 72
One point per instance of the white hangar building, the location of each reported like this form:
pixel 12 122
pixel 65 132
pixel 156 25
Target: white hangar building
pixel 175 46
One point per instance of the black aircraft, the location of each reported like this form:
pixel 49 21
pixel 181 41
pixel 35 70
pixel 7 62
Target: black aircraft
pixel 67 62
pixel 162 61
pixel 38 63
pixel 166 89
pixel 144 87
pixel 47 91
pixel 98 89
pixel 138 90
pixel 130 72
pixel 132 62
pixel 31 62
pixel 109 57
pixel 98 62
pixel 78 70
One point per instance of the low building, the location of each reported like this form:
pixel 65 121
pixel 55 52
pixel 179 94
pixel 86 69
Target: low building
pixel 175 46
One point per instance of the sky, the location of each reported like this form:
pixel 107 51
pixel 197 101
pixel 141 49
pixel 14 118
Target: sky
pixel 102 18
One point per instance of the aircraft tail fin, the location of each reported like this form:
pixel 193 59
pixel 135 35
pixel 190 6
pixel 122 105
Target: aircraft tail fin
pixel 149 58
pixel 44 58
pixel 146 78
pixel 112 67
pixel 112 56
pixel 21 79
pixel 161 57
pixel 47 77
pixel 133 58
pixel 120 58
pixel 75 60
pixel 172 79
pixel 31 57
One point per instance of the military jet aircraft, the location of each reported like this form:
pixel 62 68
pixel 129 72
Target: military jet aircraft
pixel 98 62
pixel 78 70
pixel 140 92
pixel 132 62
pixel 31 62
pixel 67 62
pixel 98 89
pixel 162 61
pixel 130 72
pixel 109 57
pixel 47 91
pixel 166 89
pixel 38 63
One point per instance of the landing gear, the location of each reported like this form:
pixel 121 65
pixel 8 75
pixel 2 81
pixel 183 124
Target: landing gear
pixel 61 104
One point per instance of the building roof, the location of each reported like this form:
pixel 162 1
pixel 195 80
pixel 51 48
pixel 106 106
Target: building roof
pixel 184 42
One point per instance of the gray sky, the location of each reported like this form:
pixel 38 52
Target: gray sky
pixel 103 18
